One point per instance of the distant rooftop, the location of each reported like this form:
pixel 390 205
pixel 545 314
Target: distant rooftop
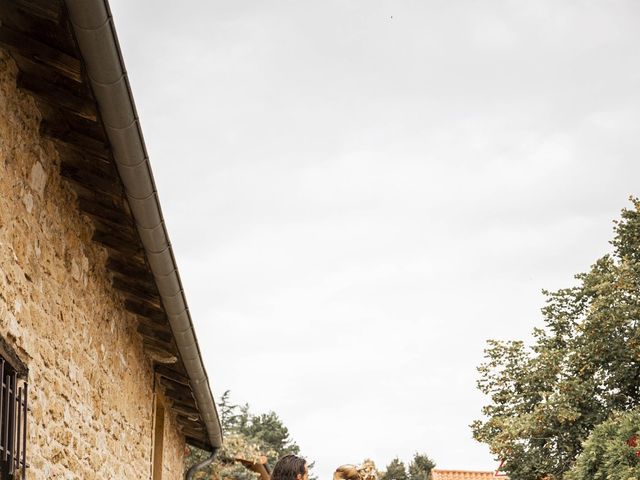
pixel 464 475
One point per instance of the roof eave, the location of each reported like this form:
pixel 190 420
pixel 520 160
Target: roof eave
pixel 96 36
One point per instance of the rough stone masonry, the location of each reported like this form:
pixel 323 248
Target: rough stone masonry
pixel 91 386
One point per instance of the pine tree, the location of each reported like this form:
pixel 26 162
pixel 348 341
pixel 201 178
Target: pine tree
pixel 395 471
pixel 420 467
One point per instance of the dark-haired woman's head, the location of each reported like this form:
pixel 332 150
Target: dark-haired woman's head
pixel 290 467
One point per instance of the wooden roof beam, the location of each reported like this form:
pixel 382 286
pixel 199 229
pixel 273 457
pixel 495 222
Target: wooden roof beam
pixel 29 47
pixel 145 309
pixel 94 165
pixel 138 291
pixel 45 9
pixel 57 96
pixel 102 184
pixel 110 214
pixel 172 375
pixel 75 140
pixel 198 441
pixel 194 425
pixel 155 333
pixel 183 396
pixel 118 241
pixel 139 271
pixel 183 410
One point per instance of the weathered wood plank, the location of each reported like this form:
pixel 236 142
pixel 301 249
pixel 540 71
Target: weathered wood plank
pixel 156 326
pixel 159 355
pixel 116 242
pixel 172 375
pixel 193 425
pixel 190 403
pixel 131 269
pixel 82 126
pixel 161 352
pixel 31 67
pixel 143 309
pixel 88 195
pixel 31 19
pixel 199 442
pixel 136 290
pixel 169 383
pixel 153 332
pixel 186 411
pixel 26 45
pixel 65 122
pixel 140 259
pixel 137 284
pixel 78 141
pixel 161 329
pixel 182 395
pixel 103 184
pixel 45 9
pixel 121 238
pixel 169 347
pixel 99 210
pixel 96 165
pixel 191 433
pixel 59 97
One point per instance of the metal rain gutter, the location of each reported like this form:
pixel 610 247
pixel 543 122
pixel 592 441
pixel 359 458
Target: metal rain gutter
pixel 189 475
pixel 96 36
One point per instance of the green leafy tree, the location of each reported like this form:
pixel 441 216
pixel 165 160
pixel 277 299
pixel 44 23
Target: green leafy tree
pixel 612 451
pixel 583 365
pixel 247 435
pixel 395 471
pixel 268 431
pixel 420 467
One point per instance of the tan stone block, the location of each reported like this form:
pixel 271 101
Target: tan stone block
pixel 13 327
pixel 38 178
pixel 27 200
pixel 76 274
pixel 56 454
pixel 56 410
pixel 62 434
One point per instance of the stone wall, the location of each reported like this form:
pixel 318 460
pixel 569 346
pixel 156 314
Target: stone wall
pixel 91 385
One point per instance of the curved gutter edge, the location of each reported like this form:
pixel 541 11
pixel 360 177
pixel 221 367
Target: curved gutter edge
pixel 96 36
pixel 189 475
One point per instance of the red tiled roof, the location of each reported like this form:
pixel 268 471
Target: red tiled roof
pixel 464 475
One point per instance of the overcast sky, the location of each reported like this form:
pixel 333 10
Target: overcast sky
pixel 361 192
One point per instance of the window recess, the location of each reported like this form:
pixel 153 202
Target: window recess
pixel 13 422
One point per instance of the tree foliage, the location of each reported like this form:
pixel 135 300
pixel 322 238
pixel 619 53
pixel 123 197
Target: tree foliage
pixel 268 431
pixel 246 435
pixel 612 451
pixel 582 366
pixel 395 471
pixel 420 467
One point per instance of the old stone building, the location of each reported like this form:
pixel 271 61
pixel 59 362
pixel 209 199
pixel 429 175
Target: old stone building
pixel 95 335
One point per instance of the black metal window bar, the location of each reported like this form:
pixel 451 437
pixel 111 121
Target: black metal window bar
pixel 13 423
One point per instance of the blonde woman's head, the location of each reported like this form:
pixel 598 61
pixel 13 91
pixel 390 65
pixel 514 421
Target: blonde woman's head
pixel 366 471
pixel 347 472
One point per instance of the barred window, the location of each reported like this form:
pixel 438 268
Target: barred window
pixel 13 420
